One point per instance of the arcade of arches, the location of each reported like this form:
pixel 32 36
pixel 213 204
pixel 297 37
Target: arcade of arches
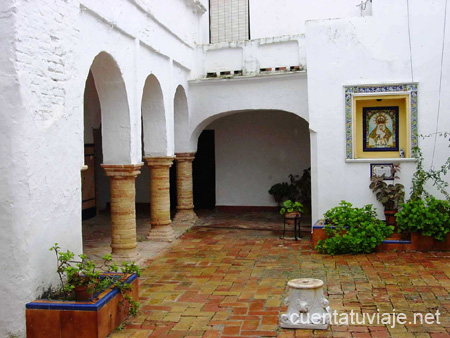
pixel 254 144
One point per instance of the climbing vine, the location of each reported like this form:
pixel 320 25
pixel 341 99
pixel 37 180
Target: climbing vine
pixel 422 176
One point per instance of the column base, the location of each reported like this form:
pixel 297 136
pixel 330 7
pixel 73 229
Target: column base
pixel 185 216
pixel 161 233
pixel 118 257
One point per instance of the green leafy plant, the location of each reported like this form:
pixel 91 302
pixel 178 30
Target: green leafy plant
pixel 84 273
pixel 302 188
pixel 133 306
pixel 430 216
pixel 352 230
pixel 422 176
pixel 280 191
pixel 290 206
pixel 73 273
pixel 298 189
pixel 390 195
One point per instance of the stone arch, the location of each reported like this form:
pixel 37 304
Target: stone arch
pixel 181 121
pixel 154 118
pixel 115 113
pixel 197 130
pixel 253 150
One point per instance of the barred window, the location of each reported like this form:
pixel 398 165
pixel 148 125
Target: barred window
pixel 229 20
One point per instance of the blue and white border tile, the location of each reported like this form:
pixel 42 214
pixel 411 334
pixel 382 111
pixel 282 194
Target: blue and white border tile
pixel 350 91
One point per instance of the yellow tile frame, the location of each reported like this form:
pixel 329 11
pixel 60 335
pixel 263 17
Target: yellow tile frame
pixel 360 102
pixel 356 97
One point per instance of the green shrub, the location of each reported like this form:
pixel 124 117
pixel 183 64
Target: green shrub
pixel 430 216
pixel 352 230
pixel 281 191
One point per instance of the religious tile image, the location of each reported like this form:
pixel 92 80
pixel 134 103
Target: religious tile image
pixel 380 128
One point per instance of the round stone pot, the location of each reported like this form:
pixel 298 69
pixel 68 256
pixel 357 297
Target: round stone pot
pixel 307 306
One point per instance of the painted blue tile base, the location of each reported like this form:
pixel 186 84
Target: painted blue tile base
pixel 78 306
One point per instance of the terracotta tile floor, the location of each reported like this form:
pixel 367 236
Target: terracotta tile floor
pixel 227 282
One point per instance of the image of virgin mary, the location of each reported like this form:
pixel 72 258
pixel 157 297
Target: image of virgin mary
pixel 381 136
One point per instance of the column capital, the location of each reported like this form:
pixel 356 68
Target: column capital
pixel 165 161
pixel 184 157
pixel 122 170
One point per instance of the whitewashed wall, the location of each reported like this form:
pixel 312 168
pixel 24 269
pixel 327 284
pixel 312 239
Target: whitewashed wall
pixel 372 50
pixel 270 18
pixel 253 151
pixel 53 45
pixel 276 32
pixel 211 99
pixel 14 185
pixel 288 17
pixel 43 190
pixel 250 56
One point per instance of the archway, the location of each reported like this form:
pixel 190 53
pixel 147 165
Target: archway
pixel 153 119
pixel 106 142
pixel 156 157
pixel 115 115
pixel 181 121
pixel 254 150
pixel 154 138
pixel 181 134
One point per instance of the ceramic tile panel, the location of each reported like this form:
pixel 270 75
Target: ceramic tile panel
pixel 350 91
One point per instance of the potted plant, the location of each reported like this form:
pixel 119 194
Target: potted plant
pixel 291 209
pixel 352 230
pixel 81 276
pixel 292 212
pixel 428 220
pixel 280 191
pixel 390 195
pixel 90 301
pixel 301 189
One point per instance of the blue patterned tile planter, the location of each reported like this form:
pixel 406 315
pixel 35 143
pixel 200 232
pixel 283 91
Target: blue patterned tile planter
pixel 91 319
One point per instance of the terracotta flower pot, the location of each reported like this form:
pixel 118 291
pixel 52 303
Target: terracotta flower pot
pixel 84 292
pixel 290 217
pixel 390 217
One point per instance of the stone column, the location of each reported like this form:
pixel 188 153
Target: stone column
pixel 123 209
pixel 185 197
pixel 161 230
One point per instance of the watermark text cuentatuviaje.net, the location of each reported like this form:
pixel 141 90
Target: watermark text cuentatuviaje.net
pixel 391 319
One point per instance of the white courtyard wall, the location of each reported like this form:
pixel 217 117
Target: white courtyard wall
pixel 250 56
pixel 288 17
pixel 211 99
pixel 372 50
pixel 270 18
pixel 41 157
pixel 14 186
pixel 255 150
pixel 53 45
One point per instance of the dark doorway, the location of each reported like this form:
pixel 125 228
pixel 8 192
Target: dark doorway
pixel 89 206
pixel 204 172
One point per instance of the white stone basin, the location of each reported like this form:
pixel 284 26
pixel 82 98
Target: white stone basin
pixel 307 306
